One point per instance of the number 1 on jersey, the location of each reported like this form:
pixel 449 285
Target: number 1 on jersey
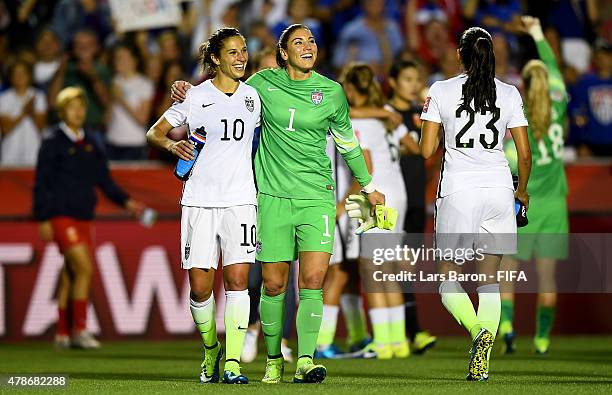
pixel 290 128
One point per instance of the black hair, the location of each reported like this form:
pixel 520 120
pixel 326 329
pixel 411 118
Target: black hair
pixel 476 51
pixel 284 40
pixel 20 62
pixel 400 65
pixel 213 46
pixel 128 46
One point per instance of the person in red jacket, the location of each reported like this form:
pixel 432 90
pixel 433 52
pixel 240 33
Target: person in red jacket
pixel 70 166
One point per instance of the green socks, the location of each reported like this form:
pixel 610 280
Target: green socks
pixel 489 307
pixel 272 315
pixel 397 324
pixel 203 314
pixel 354 317
pixel 458 303
pixel 545 317
pixel 328 326
pixel 379 317
pixel 507 316
pixel 308 321
pixel 237 306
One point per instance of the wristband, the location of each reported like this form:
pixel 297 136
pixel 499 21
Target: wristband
pixel 536 32
pixel 368 188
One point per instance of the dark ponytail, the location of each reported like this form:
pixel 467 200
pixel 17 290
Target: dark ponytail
pixel 476 51
pixel 283 42
pixel 213 46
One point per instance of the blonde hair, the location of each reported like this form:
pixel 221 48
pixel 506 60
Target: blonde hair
pixel 67 95
pixel 361 76
pixel 535 75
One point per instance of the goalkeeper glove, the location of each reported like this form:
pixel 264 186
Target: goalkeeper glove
pixel 358 206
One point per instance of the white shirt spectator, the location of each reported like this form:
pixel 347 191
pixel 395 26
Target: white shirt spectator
pixel 123 129
pixel 19 146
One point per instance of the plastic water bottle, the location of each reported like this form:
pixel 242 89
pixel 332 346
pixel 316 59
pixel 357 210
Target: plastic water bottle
pixel 184 167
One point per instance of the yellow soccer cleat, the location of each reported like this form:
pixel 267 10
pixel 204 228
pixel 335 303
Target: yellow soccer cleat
pixel 401 350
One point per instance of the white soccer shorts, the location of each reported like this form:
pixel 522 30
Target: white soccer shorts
pixel 477 218
pixel 210 233
pixel 376 238
pixel 346 242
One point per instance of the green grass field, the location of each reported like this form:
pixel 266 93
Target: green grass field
pixel 577 365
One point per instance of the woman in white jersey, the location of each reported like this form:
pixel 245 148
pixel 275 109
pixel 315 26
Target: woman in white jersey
pixel 219 199
pixel 475 199
pixel 382 152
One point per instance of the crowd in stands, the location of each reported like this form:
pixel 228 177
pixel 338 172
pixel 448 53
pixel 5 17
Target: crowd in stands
pixel 47 45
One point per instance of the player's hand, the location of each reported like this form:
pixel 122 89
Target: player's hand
pixel 183 149
pixel 135 207
pixel 375 198
pixel 523 197
pixel 358 207
pixel 393 120
pixel 532 26
pixel 45 231
pixel 178 91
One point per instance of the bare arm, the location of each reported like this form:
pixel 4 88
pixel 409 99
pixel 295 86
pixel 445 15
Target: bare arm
pixel 57 83
pixel 393 118
pixel 430 138
pixel 40 120
pixel 411 147
pixel 521 141
pixel 8 123
pixel 140 113
pixel 412 33
pixel 157 136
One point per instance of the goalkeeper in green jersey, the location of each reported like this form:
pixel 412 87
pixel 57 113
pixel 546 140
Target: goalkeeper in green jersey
pixel 296 199
pixel 545 237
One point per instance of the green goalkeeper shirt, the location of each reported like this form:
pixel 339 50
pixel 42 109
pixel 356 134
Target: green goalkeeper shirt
pixel 547 173
pixel 297 115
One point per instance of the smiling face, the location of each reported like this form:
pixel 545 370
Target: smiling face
pixel 301 52
pixel 233 57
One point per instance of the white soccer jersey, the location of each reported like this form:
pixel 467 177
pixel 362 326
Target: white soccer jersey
pixel 473 143
pixel 223 173
pixel 384 150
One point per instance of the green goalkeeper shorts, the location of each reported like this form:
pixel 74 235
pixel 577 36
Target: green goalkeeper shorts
pixel 546 235
pixel 286 227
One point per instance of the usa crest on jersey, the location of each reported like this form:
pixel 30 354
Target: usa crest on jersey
pixel 249 103
pixel 316 97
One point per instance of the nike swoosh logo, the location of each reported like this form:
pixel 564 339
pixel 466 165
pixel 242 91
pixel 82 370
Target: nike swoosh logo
pixel 273 89
pixel 249 251
pixel 206 105
pixel 242 329
pixel 316 315
pixel 202 323
pixel 325 242
pixel 267 324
